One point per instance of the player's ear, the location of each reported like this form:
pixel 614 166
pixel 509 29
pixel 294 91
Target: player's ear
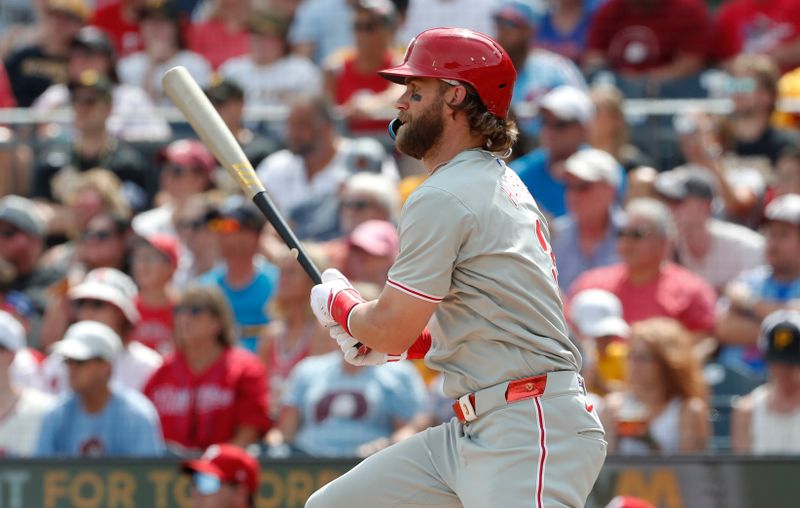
pixel 457 95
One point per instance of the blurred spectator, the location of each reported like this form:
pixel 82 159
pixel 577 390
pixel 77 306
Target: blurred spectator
pixel 228 99
pixel 334 409
pixel 57 165
pixel 629 502
pixel 564 28
pixel 367 196
pixel 32 69
pixel 185 169
pixel 754 90
pixel 108 296
pixel 646 282
pixel 19 21
pixel 97 419
pixel 163 48
pixel 104 242
pixel 133 115
pixel 209 391
pixel 641 183
pixel 294 333
pixel 769 27
pixel 664 406
pixel 351 75
pixel 268 74
pixel 716 250
pixel 153 262
pixel 245 278
pixel 304 179
pixel 760 291
pixel 655 39
pixel 22 408
pixel 322 27
pixel 538 70
pixel 118 18
pixel 566 113
pixel 7 99
pixel 609 129
pixel 372 248
pixel 425 14
pixel 787 173
pixel 201 250
pixel 586 237
pixel 22 245
pixel 224 477
pixel 596 318
pixel 767 420
pixel 224 34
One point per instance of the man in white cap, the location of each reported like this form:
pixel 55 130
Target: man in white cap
pixel 97 419
pixel 586 237
pixel 21 410
pixel 565 114
pixel 108 296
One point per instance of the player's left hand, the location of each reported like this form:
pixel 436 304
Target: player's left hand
pixel 334 299
pixel 356 354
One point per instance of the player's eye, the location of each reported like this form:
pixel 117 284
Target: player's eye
pixel 416 97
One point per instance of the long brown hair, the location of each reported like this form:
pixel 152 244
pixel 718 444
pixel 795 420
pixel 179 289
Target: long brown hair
pixel 212 299
pixel 500 133
pixel 672 347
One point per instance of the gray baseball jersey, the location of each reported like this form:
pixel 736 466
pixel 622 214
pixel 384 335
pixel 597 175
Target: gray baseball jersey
pixel 473 240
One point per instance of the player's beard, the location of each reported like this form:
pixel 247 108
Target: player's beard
pixel 417 136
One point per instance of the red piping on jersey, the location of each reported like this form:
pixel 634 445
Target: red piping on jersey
pixel 414 292
pixel 542 454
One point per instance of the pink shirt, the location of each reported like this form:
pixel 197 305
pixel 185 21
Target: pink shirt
pixel 216 42
pixel 676 293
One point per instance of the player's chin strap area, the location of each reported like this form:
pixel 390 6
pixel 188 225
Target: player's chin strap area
pixel 394 125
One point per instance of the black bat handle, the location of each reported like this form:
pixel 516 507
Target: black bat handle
pixel 267 207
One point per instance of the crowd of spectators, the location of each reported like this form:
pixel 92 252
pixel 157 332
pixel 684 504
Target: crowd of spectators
pixel 147 308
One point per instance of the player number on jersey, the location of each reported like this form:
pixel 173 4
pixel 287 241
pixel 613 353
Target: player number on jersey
pixel 547 250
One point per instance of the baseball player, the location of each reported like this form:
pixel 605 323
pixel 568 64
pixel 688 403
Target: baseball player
pixel 475 266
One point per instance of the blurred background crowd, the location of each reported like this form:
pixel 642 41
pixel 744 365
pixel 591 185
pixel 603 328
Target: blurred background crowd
pixel 148 309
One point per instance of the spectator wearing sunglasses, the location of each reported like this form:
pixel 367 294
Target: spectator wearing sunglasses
pixel 108 296
pixel 246 279
pixel 224 477
pixel 97 419
pixel 586 237
pixel 200 249
pixel 209 391
pixel 22 230
pixel 647 283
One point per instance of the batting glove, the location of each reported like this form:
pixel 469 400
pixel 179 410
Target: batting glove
pixel 356 354
pixel 334 300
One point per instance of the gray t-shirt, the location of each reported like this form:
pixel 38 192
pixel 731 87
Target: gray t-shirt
pixel 473 240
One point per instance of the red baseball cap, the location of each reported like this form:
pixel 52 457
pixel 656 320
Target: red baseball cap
pixel 376 237
pixel 165 244
pixel 189 153
pixel 229 463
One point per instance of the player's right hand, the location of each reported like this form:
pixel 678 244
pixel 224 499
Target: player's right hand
pixel 334 299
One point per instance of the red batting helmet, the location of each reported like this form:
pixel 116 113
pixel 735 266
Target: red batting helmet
pixel 462 55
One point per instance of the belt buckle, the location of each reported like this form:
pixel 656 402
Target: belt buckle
pixel 467 409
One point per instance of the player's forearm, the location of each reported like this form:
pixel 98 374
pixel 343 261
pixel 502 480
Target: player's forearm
pixel 382 330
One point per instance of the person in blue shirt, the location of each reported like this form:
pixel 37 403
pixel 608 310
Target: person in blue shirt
pixel 758 292
pixel 246 279
pixel 564 28
pixel 335 409
pixel 96 419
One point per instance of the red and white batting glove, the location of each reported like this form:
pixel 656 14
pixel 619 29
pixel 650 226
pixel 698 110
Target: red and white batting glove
pixel 355 355
pixel 334 300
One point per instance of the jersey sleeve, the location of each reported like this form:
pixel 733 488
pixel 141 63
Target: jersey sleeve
pixel 250 406
pixel 434 226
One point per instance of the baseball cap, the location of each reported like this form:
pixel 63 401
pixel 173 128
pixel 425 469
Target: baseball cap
pixel 166 244
pixel 228 463
pixel 384 9
pixel 594 165
pixel 162 9
pixel 109 285
pixel 785 208
pixel 188 153
pixel 222 90
pixel 779 339
pixel 86 340
pixel 518 12
pixel 376 237
pixel 93 80
pixel 569 104
pixel 78 9
pixel 94 40
pixel 22 214
pixel 685 182
pixel 598 313
pixel 269 22
pixel 12 334
pixel 243 212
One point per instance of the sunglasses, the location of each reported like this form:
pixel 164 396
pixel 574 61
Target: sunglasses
pixel 634 234
pixel 100 235
pixel 224 225
pixel 9 232
pixel 90 303
pixel 579 187
pixel 192 225
pixel 368 26
pixel 77 363
pixel 193 309
pixel 85 100
pixel 556 124
pixel 178 171
pixel 358 204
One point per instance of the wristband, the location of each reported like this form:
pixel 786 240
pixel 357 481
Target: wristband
pixel 342 305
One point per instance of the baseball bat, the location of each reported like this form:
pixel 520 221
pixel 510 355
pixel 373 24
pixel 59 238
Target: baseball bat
pixel 190 99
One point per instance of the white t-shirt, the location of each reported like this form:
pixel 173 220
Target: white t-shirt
pixel 19 430
pixel 286 179
pixel 425 14
pixel 136 70
pixel 273 84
